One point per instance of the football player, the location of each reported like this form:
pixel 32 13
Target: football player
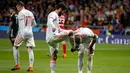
pixel 26 22
pixel 83 39
pixel 54 34
pixel 62 18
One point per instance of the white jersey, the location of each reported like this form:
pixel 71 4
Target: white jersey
pixel 84 32
pixel 86 35
pixel 52 21
pixel 26 22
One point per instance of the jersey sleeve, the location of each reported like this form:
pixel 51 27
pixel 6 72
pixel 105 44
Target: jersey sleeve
pixel 33 21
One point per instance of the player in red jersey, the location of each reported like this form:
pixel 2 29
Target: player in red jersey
pixel 62 18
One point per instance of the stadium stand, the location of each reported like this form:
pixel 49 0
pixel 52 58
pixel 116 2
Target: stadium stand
pixel 103 16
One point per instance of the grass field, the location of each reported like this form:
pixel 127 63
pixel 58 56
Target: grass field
pixel 108 58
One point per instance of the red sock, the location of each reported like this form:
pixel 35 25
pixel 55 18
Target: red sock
pixel 64 48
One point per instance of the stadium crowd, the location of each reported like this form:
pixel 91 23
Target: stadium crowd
pixel 115 14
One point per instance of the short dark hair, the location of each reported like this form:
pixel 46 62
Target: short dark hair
pixel 12 6
pixel 61 5
pixel 20 3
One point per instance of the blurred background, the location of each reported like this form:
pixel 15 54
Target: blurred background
pixel 104 17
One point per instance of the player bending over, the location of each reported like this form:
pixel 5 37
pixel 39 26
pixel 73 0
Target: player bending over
pixel 54 34
pixel 26 22
pixel 83 39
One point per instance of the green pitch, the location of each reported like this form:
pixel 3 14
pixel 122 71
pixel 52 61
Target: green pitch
pixel 108 58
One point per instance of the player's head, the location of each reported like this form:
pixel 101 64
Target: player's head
pixel 61 7
pixel 12 9
pixel 19 5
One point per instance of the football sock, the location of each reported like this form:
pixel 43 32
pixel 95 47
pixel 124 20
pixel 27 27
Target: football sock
pixel 52 66
pixel 89 64
pixel 64 48
pixel 80 62
pixel 16 54
pixel 31 56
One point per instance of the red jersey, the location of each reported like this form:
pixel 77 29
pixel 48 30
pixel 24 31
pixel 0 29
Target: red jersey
pixel 62 21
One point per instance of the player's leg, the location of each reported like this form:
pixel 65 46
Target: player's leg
pixel 30 45
pixel 12 40
pixel 80 61
pixel 64 48
pixel 16 58
pixel 53 52
pixel 90 59
pixel 12 36
pixel 59 37
pixel 49 54
pixel 89 63
pixel 31 58
pixel 18 42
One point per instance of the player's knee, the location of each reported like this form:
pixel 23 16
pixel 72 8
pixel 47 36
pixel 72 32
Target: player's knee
pixel 63 42
pixel 90 57
pixel 15 47
pixel 54 55
pixel 56 51
pixel 81 55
